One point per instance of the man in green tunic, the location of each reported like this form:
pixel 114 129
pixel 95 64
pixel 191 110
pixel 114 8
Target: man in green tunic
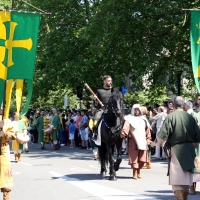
pixel 42 123
pixel 55 129
pixel 196 176
pixel 181 131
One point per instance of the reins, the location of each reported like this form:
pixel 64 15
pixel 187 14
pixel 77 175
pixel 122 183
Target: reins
pixel 113 110
pixel 112 107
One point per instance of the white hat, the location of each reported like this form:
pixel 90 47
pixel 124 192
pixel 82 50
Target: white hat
pixel 189 104
pixel 133 109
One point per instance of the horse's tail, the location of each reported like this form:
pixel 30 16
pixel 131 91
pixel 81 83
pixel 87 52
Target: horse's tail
pixel 103 154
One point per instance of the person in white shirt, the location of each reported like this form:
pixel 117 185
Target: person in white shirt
pixel 188 107
pixel 159 118
pixel 74 116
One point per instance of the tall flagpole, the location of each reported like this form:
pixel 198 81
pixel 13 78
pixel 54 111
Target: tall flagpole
pixel 13 2
pixel 4 97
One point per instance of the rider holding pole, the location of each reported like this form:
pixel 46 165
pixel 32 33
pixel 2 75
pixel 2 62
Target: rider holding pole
pixel 103 94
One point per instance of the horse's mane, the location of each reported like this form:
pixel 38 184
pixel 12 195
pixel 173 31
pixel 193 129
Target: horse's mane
pixel 115 91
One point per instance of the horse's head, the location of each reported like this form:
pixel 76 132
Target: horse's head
pixel 116 102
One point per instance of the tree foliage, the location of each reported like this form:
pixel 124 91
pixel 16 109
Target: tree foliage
pixel 152 97
pixel 83 40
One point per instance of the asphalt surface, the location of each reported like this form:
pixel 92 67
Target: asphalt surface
pixel 72 174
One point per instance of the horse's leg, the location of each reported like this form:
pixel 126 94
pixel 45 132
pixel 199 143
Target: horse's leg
pixel 112 169
pixel 119 153
pixel 102 160
pixel 111 152
pixel 103 170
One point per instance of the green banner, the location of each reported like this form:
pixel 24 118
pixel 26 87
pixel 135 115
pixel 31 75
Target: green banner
pixel 195 45
pixel 18 46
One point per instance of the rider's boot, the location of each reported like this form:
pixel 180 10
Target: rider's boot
pixel 95 134
pixel 95 131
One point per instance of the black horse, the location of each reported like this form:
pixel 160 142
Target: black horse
pixel 111 125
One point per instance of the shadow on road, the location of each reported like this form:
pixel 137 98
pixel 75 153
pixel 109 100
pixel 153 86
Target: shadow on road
pixel 85 177
pixel 168 195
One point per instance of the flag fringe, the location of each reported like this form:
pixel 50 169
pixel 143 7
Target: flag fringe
pixel 19 88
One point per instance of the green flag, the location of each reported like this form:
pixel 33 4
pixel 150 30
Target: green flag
pixel 195 45
pixel 18 45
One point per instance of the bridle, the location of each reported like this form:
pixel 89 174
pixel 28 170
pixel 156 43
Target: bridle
pixel 110 106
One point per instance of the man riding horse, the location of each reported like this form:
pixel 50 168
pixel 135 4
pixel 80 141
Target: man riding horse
pixel 104 95
pixel 109 104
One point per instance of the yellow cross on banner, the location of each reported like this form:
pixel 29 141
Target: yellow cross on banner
pixel 9 43
pixel 18 45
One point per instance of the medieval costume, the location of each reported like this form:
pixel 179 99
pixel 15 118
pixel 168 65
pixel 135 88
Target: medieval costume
pixel 25 120
pixel 144 113
pixel 137 129
pixel 6 179
pixel 55 131
pixel 196 175
pixel 104 95
pixel 42 124
pixel 19 127
pixel 180 130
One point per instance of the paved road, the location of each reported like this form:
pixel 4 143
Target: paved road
pixel 72 174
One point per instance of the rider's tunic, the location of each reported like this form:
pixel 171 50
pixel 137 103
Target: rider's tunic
pixel 104 96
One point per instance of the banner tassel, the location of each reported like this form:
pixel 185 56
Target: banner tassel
pixel 19 88
pixel 8 97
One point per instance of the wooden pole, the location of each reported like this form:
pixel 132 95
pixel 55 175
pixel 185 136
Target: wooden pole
pixel 4 96
pixel 179 73
pixel 13 3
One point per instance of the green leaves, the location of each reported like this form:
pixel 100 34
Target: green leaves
pixel 156 96
pixel 88 39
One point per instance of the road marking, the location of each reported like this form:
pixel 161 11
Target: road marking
pixel 94 166
pixel 165 165
pixel 103 192
pixel 79 169
pixel 15 173
pixel 82 154
pixel 25 163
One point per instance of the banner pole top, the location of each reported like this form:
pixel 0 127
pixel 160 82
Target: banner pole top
pixel 41 13
pixel 13 2
pixel 188 10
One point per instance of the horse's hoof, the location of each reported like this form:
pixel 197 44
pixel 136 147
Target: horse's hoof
pixel 113 178
pixel 116 168
pixel 103 174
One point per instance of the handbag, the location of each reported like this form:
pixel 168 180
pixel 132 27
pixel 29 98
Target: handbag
pixel 167 149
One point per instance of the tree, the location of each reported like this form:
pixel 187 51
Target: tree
pixel 83 40
pixel 156 96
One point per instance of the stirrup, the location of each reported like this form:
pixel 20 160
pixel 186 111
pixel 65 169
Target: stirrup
pixel 94 137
